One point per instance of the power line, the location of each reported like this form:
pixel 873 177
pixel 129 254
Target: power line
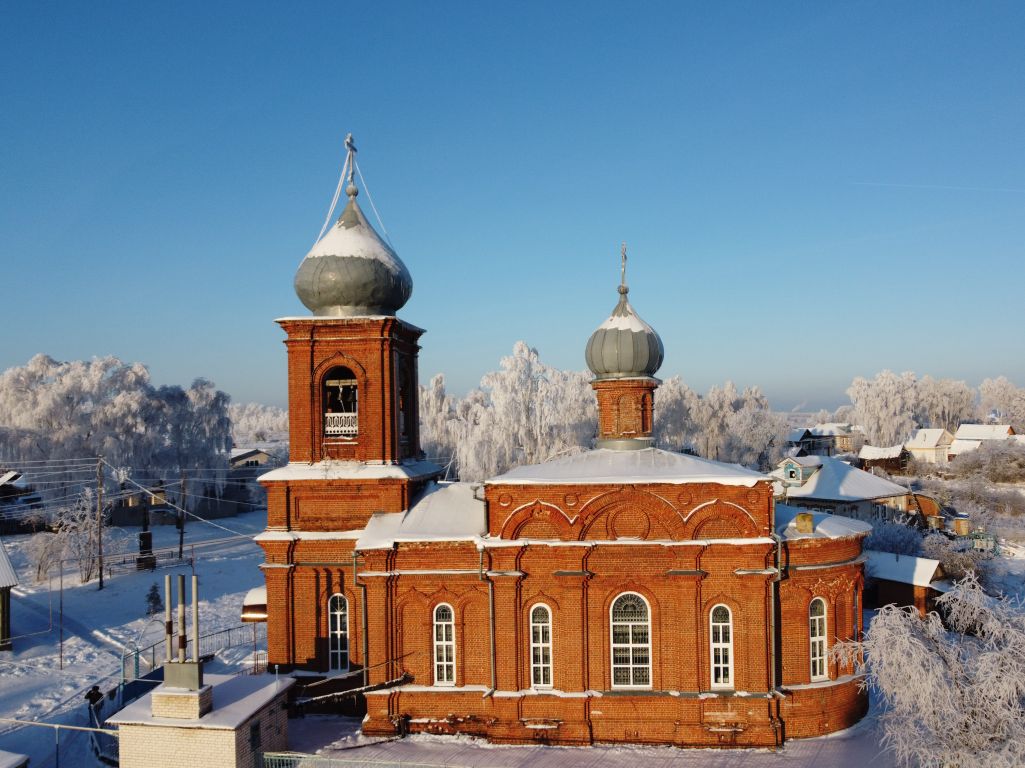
pixel 181 509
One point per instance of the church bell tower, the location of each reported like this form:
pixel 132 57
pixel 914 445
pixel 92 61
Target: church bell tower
pixel 352 366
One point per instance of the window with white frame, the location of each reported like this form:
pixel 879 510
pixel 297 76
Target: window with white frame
pixel 631 642
pixel 721 625
pixel 444 645
pixel 338 633
pixel 817 636
pixel 540 647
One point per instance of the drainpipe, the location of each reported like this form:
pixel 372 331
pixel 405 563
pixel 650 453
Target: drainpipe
pixel 772 616
pixel 491 620
pixel 363 618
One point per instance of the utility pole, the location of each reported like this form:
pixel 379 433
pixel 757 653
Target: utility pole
pixel 99 514
pixel 181 528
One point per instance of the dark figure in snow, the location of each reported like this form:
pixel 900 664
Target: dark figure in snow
pixel 94 696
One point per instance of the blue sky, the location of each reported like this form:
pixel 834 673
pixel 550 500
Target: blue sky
pixel 809 191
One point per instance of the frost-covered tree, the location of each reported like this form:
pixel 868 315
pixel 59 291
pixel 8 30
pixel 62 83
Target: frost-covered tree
pixel 944 403
pixel 957 558
pixel 52 411
pixel 438 425
pixel 72 537
pixel 525 413
pixel 885 406
pixel 675 410
pixel 1004 401
pixel 898 538
pixel 257 423
pixel 953 689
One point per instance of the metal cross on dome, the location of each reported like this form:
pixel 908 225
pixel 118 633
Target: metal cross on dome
pixel 622 277
pixel 350 148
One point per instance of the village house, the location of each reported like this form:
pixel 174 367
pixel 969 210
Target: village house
pixel 892 459
pixel 828 439
pixel 831 485
pixel 620 594
pixel 970 436
pixel 930 446
pixel 244 458
pixel 903 580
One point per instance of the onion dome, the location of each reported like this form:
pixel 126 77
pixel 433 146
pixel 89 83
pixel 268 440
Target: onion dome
pixel 624 346
pixel 351 271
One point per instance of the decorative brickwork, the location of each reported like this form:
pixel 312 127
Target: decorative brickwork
pixel 625 407
pixel 450 616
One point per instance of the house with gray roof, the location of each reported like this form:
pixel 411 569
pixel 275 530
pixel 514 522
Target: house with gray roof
pixel 831 485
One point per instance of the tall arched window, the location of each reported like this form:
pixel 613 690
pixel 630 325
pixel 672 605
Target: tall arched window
pixel 631 642
pixel 444 645
pixel 341 404
pixel 338 633
pixel 817 636
pixel 721 635
pixel 540 647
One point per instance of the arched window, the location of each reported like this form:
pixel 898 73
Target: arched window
pixel 444 645
pixel 631 642
pixel 338 633
pixel 817 636
pixel 721 634
pixel 341 404
pixel 540 647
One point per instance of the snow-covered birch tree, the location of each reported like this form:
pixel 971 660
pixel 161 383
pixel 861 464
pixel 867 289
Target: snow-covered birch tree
pixel 953 689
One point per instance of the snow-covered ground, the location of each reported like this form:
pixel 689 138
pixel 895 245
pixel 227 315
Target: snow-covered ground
pixel 99 624
pixel 339 737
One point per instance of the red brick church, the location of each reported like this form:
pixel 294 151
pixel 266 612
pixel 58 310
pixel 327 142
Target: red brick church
pixel 620 594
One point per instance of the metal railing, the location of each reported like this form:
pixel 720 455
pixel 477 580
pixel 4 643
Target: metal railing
pixel 153 656
pixel 341 424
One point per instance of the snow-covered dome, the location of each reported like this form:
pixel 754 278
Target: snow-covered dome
pixel 624 346
pixel 351 271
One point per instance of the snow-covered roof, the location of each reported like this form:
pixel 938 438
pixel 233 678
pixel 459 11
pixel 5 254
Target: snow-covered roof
pixel 963 446
pixel 837 481
pixel 983 432
pixel 796 435
pixel 875 453
pixel 12 759
pixel 237 453
pixel 804 461
pixel 929 438
pixel 236 699
pixel 905 569
pixel 830 429
pixel 351 470
pixel 254 604
pixel 8 578
pixel 647 465
pixel 825 525
pixel 443 512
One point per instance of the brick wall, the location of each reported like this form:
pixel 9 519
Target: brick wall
pixel 374 349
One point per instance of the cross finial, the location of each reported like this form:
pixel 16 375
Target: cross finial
pixel 622 268
pixel 350 148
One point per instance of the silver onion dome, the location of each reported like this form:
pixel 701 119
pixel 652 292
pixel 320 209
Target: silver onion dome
pixel 351 271
pixel 624 346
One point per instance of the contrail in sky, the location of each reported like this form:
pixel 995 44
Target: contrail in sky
pixel 934 186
